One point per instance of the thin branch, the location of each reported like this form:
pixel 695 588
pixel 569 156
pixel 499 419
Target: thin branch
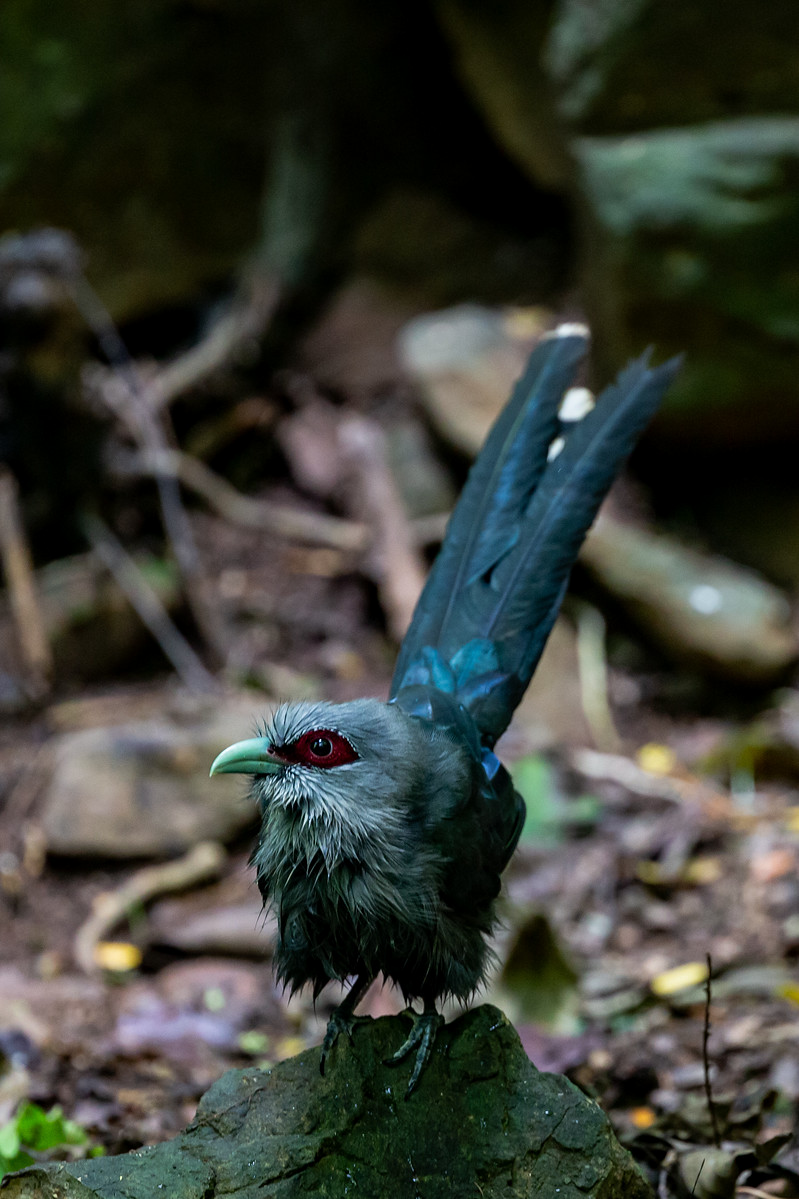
pixel 288 522
pixel 137 410
pixel 706 1059
pixel 292 523
pixel 201 864
pixel 593 671
pixel 229 339
pixel 399 571
pixel 146 603
pixel 18 567
pixel 698 1176
pixel 715 806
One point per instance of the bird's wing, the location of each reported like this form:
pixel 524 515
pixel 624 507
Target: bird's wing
pixel 476 843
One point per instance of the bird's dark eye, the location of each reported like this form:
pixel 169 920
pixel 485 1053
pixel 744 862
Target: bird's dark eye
pixel 320 747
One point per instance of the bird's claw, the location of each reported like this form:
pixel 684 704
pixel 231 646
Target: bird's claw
pixel 339 1022
pixel 421 1037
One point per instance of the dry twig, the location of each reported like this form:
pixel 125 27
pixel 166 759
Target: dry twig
pixel 148 606
pixel 18 567
pixel 711 1107
pixel 399 570
pixel 133 404
pixel 593 669
pixel 285 521
pixel 715 806
pixel 228 339
pixel 294 524
pixel 201 864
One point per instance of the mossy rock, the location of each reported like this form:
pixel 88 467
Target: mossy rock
pixel 696 251
pixel 482 1121
pixel 677 136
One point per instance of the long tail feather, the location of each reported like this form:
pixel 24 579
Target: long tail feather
pixel 500 483
pixel 495 590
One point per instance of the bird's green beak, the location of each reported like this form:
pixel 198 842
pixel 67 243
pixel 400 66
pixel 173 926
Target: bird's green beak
pixel 247 757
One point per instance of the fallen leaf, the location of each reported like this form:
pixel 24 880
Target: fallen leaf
pixel 679 978
pixel 702 870
pixel 118 956
pixel 656 758
pixel 775 863
pixel 789 991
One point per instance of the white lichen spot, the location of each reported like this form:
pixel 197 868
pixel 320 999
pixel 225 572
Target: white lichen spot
pixel 705 599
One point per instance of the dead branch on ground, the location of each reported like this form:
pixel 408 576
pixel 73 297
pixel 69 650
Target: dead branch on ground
pixel 397 566
pixel 148 606
pixel 26 610
pixel 202 864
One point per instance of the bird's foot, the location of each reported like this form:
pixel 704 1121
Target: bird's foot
pixel 421 1037
pixel 341 1021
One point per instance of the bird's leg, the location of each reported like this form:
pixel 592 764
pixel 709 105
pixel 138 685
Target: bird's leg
pixel 342 1018
pixel 421 1037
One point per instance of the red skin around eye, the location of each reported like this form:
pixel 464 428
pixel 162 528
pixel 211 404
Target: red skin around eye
pixel 300 751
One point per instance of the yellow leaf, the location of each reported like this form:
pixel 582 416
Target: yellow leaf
pixel 656 758
pixel 651 873
pixel 696 872
pixel 702 870
pixel 253 1042
pixel 642 1117
pixel 116 955
pixel 789 991
pixel 679 978
pixel 791 819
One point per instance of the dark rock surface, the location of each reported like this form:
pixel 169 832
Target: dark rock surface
pixel 695 250
pixel 677 140
pixel 482 1121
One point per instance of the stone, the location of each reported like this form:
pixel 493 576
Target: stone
pixel 142 789
pixel 699 608
pixel 482 1121
pixel 192 925
pixel 465 360
pixel 90 624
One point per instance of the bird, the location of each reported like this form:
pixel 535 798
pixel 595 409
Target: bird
pixel 386 826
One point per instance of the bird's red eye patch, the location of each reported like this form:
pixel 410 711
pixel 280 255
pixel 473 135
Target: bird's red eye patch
pixel 320 747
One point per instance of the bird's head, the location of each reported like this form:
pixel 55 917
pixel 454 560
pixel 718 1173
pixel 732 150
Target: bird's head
pixel 344 766
pixel 348 772
pixel 303 748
